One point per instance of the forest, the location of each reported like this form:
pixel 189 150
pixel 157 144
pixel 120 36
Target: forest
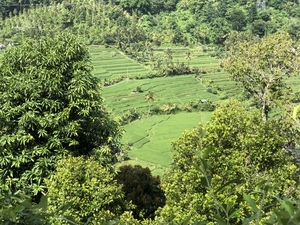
pixel 149 112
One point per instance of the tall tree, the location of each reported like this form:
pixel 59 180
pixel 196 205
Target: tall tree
pixel 214 165
pixel 238 19
pixel 262 67
pixel 51 106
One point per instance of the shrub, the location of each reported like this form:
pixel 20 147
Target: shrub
pixel 89 187
pixel 142 189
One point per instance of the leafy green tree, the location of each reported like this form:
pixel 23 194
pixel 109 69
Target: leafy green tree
pixel 238 19
pixel 150 97
pixel 259 27
pixel 235 37
pixel 214 165
pixel 18 208
pixel 263 67
pixel 89 189
pixel 142 189
pixel 51 106
pixel 252 12
pixel 220 28
pixel 138 6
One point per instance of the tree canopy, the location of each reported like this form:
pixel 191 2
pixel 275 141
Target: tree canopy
pixel 51 106
pixel 262 67
pixel 89 188
pixel 214 165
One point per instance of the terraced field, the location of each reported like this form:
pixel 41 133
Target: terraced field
pixel 197 57
pixel 109 63
pixel 151 138
pixel 177 90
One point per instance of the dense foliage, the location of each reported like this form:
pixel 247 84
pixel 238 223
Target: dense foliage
pixel 214 165
pixel 90 189
pixel 142 189
pixel 263 67
pixel 51 106
pixel 183 22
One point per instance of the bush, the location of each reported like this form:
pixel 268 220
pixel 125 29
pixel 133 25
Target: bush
pixel 89 187
pixel 142 189
pixel 206 106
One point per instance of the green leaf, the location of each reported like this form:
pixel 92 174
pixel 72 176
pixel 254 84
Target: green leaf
pixel 251 202
pixel 227 184
pixel 63 207
pixel 19 208
pixel 43 204
pixel 295 112
pixel 247 220
pixel 271 220
pixel 288 206
pixel 70 220
pixel 296 218
pixel 234 213
pixel 199 223
pixel 186 220
pixel 282 214
pixel 112 222
pixel 220 220
pixel 206 152
pixel 205 181
pixel 27 204
pixel 204 164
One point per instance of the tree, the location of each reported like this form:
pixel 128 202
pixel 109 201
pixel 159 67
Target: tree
pixel 214 165
pixel 142 189
pixel 263 67
pixel 139 6
pixel 259 27
pixel 238 19
pixel 150 97
pixel 51 106
pixel 89 189
pixel 188 56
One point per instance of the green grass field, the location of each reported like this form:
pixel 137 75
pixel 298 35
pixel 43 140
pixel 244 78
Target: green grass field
pixel 109 63
pixel 151 138
pixel 177 90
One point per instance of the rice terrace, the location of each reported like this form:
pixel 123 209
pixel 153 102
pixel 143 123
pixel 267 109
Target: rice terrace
pixel 152 126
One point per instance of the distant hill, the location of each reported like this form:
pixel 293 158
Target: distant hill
pixel 171 22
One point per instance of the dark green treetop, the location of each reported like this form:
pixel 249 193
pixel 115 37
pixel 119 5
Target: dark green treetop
pixel 51 106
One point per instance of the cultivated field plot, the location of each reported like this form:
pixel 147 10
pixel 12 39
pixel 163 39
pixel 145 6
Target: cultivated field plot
pixel 196 58
pixel 176 90
pixel 202 60
pixel 109 63
pixel 151 137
